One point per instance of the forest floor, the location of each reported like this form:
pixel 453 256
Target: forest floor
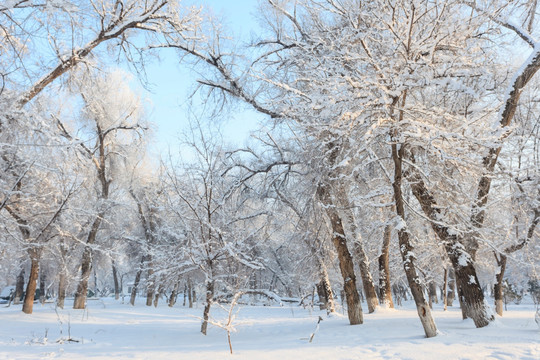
pixel 108 329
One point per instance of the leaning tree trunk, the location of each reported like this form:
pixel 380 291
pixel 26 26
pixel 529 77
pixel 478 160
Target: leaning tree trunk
pixel 499 303
pixel 351 230
pixel 209 299
pixel 346 266
pixel 28 304
pixel 406 249
pixel 136 283
pixel 174 294
pixel 385 289
pixel 160 290
pixel 367 279
pixel 86 265
pixel 470 293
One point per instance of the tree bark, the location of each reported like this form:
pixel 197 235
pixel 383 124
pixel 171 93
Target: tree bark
pixel 116 282
pixel 469 291
pixel 385 289
pixel 19 287
pixel 191 293
pixel 499 303
pixel 346 266
pixel 62 284
pixel 451 294
pixel 86 264
pixel 209 299
pixel 42 286
pixel 28 304
pixel 351 230
pixel 406 249
pixel 432 290
pixel 174 294
pixel 445 289
pixel 326 290
pixel 150 282
pixel 136 283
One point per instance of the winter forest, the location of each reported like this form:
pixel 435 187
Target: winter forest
pixel 396 167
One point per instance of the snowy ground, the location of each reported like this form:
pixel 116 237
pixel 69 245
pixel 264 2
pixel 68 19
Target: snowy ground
pixel 109 329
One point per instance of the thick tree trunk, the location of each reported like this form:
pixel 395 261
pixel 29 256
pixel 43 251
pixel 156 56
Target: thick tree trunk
pixel 28 304
pixel 367 279
pixel 19 288
pixel 470 293
pixel 346 266
pixel 206 312
pixel 346 214
pixel 406 249
pixel 499 303
pixel 82 287
pixel 116 282
pixel 385 289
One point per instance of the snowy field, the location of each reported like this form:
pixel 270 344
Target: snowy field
pixel 111 330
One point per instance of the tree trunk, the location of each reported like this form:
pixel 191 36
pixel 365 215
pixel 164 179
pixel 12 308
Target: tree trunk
pixel 19 287
pixel 406 249
pixel 346 214
pixel 136 283
pixel 174 294
pixel 86 264
pixel 191 293
pixel 385 289
pixel 116 282
pixel 451 294
pixel 28 304
pixel 159 291
pixel 209 299
pixel 42 286
pixel 367 279
pixel 470 293
pixel 432 288
pixel 62 284
pixel 150 283
pixel 445 289
pixel 82 287
pixel 326 290
pixel 499 303
pixel 346 266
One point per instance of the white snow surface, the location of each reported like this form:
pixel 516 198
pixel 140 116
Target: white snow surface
pixel 109 329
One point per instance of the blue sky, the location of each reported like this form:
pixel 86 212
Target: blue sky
pixel 173 82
